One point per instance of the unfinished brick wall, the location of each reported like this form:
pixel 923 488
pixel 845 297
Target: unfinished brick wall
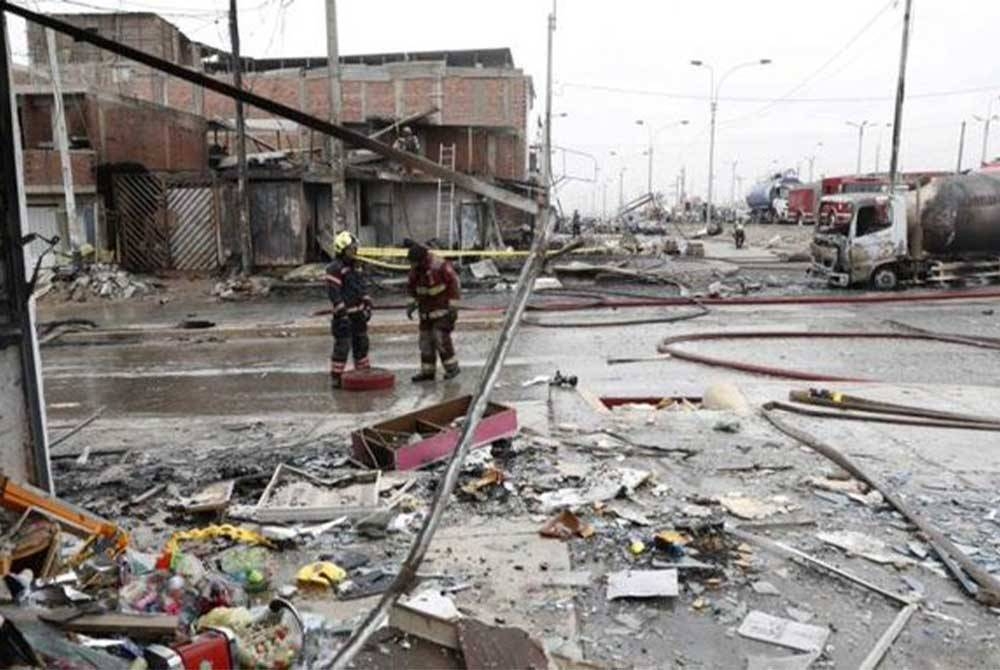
pixel 140 30
pixel 157 138
pixel 42 169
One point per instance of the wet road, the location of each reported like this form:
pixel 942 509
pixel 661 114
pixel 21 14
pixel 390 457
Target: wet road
pixel 288 375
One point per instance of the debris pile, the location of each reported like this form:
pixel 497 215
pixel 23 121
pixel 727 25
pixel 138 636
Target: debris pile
pixel 621 526
pixel 101 281
pixel 242 288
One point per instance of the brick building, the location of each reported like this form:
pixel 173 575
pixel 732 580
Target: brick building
pixel 470 104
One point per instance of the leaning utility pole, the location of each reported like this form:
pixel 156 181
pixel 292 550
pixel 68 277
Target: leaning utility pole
pixel 338 193
pixel 900 93
pixel 24 454
pixel 62 142
pixel 242 198
pixel 961 148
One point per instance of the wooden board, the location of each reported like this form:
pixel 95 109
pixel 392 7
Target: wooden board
pixel 492 648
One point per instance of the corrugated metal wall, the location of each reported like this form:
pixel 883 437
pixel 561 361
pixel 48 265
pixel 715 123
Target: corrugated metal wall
pixel 167 222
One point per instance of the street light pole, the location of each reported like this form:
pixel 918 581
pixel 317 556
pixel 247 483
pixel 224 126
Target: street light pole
pixel 621 188
pixel 861 139
pixel 961 148
pixel 986 129
pixel 732 186
pixel 650 149
pixel 714 104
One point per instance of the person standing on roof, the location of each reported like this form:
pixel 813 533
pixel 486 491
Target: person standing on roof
pixel 352 307
pixel 434 286
pixel 408 142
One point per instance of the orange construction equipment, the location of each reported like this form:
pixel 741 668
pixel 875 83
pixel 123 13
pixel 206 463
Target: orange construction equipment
pixel 102 536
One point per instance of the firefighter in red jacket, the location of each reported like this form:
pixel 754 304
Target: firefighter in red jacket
pixel 434 286
pixel 352 307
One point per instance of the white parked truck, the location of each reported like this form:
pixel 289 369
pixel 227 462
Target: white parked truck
pixel 945 230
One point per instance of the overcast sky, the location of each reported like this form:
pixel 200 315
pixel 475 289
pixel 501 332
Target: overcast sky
pixel 617 62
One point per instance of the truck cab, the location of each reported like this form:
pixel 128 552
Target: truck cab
pixel 860 238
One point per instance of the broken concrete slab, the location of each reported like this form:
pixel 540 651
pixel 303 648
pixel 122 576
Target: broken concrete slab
pixel 864 545
pixel 642 584
pixel 572 579
pixel 747 507
pixel 783 632
pixel 212 498
pixel 765 588
pixel 606 483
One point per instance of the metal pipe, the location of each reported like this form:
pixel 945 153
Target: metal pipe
pixel 988 588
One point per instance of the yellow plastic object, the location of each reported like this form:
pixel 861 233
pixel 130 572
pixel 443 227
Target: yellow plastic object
pixel 234 533
pixel 322 573
pixel 636 547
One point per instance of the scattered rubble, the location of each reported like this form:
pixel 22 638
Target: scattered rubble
pixel 100 281
pixel 243 288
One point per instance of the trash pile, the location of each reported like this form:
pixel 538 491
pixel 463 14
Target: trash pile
pixel 101 281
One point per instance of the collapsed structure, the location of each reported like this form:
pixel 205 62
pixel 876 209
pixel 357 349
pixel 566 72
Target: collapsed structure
pixel 166 211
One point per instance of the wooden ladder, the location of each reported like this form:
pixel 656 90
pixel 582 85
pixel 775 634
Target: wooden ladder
pixel 446 194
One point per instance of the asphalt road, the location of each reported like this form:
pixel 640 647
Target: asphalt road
pixel 201 376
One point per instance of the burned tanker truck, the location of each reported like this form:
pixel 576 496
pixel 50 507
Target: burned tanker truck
pixel 943 229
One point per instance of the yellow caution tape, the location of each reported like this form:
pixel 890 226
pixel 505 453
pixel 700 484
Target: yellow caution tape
pixel 234 533
pixel 400 252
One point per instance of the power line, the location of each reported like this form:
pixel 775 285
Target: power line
pixel 802 84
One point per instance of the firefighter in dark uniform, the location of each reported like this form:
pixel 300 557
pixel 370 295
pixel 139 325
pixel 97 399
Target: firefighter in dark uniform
pixel 434 286
pixel 352 307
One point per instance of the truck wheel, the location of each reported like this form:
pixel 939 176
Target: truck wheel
pixel 885 279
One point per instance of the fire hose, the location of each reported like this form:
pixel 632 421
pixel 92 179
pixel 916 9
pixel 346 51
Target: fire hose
pixel 670 345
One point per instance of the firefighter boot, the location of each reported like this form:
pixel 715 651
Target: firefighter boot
pixel 422 377
pixel 451 371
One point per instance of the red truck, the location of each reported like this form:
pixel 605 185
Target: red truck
pixel 803 203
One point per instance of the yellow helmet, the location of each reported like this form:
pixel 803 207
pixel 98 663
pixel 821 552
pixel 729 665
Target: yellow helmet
pixel 343 240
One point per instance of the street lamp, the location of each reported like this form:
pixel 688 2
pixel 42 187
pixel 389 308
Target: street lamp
pixel 990 116
pixel 861 138
pixel 878 143
pixel 714 98
pixel 812 160
pixel 649 152
pixel 621 182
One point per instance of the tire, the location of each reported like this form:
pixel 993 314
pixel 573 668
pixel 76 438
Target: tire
pixel 885 278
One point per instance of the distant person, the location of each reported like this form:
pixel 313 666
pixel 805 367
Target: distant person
pixel 352 307
pixel 575 225
pixel 434 286
pixel 407 141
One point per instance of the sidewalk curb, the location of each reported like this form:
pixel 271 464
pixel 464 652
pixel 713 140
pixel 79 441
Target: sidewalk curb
pixel 242 332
